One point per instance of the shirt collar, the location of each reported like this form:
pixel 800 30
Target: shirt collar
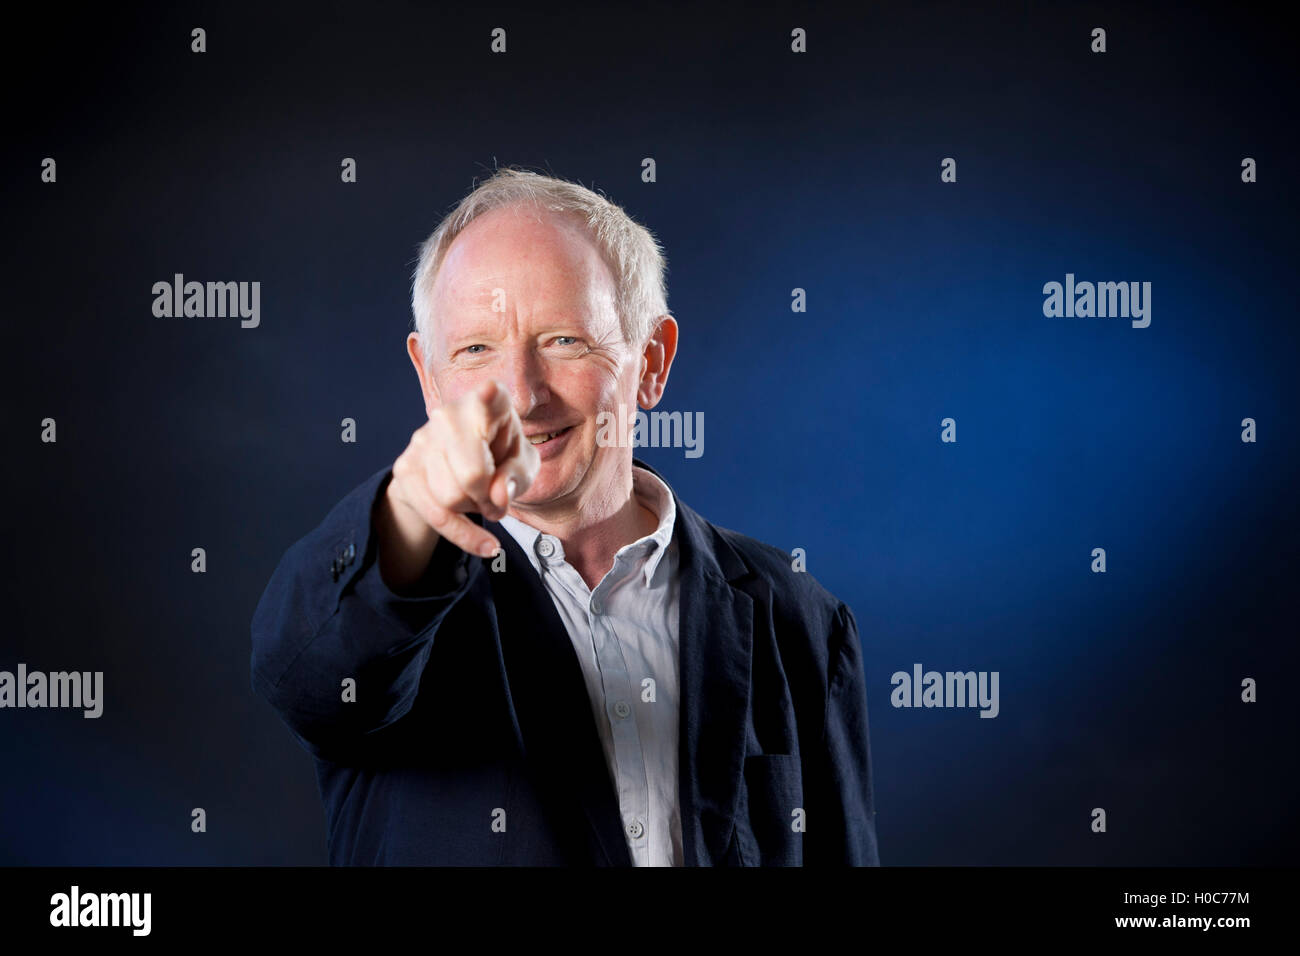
pixel 649 489
pixel 658 497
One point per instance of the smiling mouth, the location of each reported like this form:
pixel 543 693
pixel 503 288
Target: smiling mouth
pixel 543 439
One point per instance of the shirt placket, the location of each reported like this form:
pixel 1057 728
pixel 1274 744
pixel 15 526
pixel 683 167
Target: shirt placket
pixel 600 607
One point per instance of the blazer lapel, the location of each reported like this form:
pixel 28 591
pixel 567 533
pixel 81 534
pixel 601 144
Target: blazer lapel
pixel 551 705
pixel 553 710
pixel 716 635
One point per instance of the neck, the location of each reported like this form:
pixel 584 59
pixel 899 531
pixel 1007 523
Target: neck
pixel 594 531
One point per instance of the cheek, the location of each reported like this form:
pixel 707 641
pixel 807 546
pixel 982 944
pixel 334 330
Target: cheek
pixel 599 383
pixel 591 389
pixel 455 385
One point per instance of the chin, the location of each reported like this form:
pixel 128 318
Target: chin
pixel 555 479
pixel 543 489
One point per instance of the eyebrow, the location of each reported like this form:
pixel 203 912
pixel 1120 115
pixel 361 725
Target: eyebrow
pixel 479 322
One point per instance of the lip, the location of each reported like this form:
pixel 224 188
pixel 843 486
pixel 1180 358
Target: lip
pixel 549 449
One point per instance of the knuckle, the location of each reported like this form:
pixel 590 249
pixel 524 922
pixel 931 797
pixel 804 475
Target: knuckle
pixel 480 475
pixel 433 471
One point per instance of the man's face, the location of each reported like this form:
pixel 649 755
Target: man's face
pixel 531 304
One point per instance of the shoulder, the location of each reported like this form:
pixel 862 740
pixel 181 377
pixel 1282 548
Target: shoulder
pixel 813 631
pixel 797 596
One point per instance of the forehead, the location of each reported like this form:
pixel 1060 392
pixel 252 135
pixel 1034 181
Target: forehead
pixel 542 260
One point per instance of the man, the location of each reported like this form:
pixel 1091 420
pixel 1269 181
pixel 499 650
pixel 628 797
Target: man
pixel 517 645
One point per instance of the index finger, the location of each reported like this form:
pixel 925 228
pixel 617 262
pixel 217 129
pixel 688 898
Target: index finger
pixel 517 463
pixel 495 405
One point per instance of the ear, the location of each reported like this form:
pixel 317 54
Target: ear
pixel 427 385
pixel 656 360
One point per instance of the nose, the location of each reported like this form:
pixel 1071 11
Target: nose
pixel 523 376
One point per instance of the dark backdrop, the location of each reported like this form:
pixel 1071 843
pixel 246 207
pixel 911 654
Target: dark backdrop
pixel 775 170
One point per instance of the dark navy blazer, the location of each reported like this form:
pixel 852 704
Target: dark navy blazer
pixel 471 702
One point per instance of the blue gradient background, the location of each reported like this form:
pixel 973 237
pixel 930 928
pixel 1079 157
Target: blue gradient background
pixel 821 430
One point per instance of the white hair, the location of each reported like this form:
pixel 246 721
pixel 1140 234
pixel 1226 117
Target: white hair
pixel 628 248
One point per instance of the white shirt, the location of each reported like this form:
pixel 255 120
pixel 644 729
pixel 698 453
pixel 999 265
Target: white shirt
pixel 625 633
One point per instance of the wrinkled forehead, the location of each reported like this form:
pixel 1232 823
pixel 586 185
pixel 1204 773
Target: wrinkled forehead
pixel 522 263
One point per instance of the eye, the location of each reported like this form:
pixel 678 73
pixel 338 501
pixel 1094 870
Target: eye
pixel 566 340
pixel 470 349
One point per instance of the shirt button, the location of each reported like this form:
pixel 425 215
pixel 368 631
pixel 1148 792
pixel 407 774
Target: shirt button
pixel 622 709
pixel 595 606
pixel 544 547
pixel 635 829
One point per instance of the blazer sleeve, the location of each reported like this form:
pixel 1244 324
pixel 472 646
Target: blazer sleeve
pixel 326 616
pixel 842 822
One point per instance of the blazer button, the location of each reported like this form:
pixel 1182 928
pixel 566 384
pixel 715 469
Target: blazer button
pixel 350 553
pixel 334 569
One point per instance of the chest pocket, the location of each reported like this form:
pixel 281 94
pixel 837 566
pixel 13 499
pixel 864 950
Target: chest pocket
pixel 764 825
